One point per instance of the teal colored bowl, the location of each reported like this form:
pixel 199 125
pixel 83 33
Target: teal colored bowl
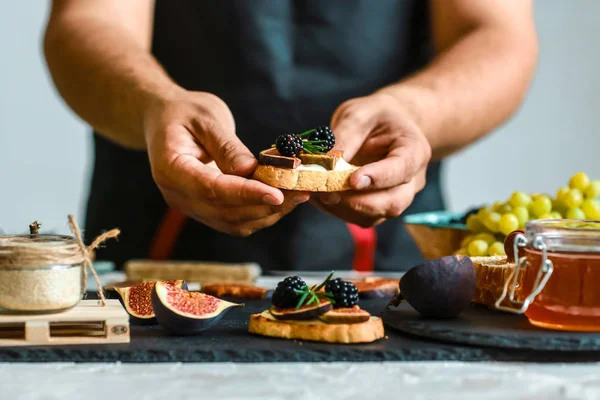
pixel 437 233
pixel 437 219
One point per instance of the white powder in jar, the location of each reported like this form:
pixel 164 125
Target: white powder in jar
pixel 29 289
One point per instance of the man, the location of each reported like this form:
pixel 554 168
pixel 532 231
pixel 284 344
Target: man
pixel 183 94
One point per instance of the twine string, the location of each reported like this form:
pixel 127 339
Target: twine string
pixel 86 252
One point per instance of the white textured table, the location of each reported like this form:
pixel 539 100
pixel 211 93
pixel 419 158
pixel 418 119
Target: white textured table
pixel 398 381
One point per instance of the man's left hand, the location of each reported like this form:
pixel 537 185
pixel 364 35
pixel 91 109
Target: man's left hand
pixel 377 133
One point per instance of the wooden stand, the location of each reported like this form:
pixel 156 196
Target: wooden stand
pixel 86 323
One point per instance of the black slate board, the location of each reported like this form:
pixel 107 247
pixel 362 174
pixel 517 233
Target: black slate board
pixel 484 327
pixel 230 342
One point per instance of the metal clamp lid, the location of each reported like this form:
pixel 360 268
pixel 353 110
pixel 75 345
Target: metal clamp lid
pixel 540 281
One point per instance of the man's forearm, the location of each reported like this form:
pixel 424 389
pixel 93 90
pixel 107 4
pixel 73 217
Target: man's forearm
pixel 105 75
pixel 470 89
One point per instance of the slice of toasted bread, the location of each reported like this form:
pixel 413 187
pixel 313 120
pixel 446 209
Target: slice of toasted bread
pixel 492 273
pixel 238 290
pixel 315 330
pixel 304 180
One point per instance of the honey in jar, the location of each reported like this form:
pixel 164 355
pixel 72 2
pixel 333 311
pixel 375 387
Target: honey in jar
pixel 562 265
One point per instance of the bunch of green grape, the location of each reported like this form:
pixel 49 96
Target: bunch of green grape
pixel 490 225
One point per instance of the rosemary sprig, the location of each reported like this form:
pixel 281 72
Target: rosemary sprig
pixel 313 293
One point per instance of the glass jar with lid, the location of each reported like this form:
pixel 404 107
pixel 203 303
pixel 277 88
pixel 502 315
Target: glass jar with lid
pixel 560 260
pixel 40 273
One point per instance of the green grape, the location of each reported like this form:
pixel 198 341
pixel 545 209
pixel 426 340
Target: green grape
pixel 575 213
pixel 579 181
pixel 491 222
pixel 591 208
pixel 462 252
pixel 593 190
pixel 487 237
pixel 573 198
pixel 519 199
pixel 483 211
pixel 478 248
pixel 542 205
pixel 496 205
pixel 535 195
pixel 522 215
pixel 558 206
pixel 474 224
pixel 503 209
pixel 555 215
pixel 497 249
pixel 466 240
pixel 546 216
pixel 508 223
pixel 560 193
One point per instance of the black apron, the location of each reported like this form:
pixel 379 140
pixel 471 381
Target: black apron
pixel 281 66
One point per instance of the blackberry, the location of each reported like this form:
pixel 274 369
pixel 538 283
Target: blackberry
pixel 289 145
pixel 323 133
pixel 344 293
pixel 284 295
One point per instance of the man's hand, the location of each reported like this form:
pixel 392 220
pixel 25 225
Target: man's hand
pixel 377 133
pixel 200 166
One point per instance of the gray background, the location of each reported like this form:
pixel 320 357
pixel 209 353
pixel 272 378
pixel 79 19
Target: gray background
pixel 45 149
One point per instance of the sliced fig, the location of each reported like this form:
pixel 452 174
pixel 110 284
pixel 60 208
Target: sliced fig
pixel 352 315
pixel 137 299
pixel 440 288
pixel 377 288
pixel 328 161
pixel 182 312
pixel 307 312
pixel 273 158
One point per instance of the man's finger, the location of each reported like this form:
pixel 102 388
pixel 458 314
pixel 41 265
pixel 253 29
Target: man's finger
pixel 209 183
pixel 397 168
pixel 239 214
pixel 366 208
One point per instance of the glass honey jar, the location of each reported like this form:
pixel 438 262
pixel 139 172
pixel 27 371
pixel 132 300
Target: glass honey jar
pixel 560 263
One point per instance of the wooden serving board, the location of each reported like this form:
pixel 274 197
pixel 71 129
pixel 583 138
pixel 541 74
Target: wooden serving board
pixel 86 323
pixel 192 271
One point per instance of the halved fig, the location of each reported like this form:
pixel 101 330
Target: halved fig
pixel 311 311
pixel 137 298
pixel 273 158
pixel 182 312
pixel 351 315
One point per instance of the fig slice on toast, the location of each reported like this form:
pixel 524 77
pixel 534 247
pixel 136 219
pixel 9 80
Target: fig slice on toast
pixel 328 161
pixel 272 157
pixel 351 315
pixel 303 313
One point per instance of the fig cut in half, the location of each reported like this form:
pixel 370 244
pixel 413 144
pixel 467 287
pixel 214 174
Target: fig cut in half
pixel 137 299
pixel 351 315
pixel 377 288
pixel 303 313
pixel 440 288
pixel 182 312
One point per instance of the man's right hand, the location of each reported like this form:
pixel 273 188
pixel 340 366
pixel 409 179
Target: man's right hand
pixel 201 166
